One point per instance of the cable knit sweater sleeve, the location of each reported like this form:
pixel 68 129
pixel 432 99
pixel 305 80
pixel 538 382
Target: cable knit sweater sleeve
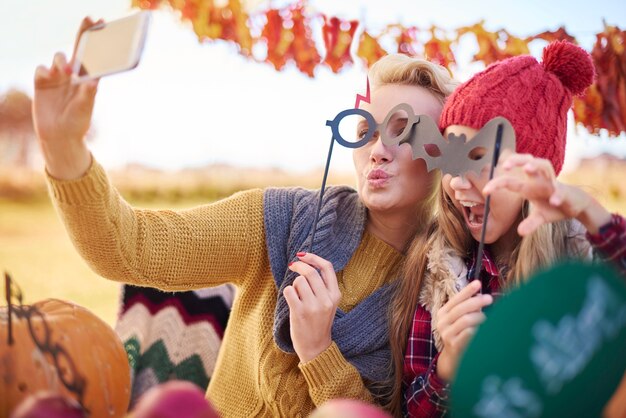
pixel 331 376
pixel 172 250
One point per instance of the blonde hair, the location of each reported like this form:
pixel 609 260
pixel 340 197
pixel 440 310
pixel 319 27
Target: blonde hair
pixel 404 70
pixel 539 250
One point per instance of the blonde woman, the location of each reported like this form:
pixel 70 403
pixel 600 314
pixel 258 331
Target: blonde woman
pixel 533 220
pixel 304 328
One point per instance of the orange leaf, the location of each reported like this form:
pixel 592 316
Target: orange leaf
pixel 488 49
pixel 407 40
pixel 369 50
pixel 604 104
pixel 305 52
pixel 438 50
pixel 558 35
pixel 338 35
pixel 288 37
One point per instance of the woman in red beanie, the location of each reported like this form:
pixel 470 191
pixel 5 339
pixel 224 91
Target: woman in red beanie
pixel 533 220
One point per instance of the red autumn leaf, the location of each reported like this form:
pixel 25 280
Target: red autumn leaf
pixel 146 4
pixel 305 52
pixel 513 45
pixel 229 23
pixel 438 50
pixel 338 35
pixel 188 8
pixel 277 37
pixel 604 104
pixel 558 35
pixel 407 40
pixel 288 37
pixel 369 50
pixel 488 49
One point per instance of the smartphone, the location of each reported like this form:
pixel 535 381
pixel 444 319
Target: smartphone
pixel 111 47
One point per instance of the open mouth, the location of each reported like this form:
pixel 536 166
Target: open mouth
pixel 474 213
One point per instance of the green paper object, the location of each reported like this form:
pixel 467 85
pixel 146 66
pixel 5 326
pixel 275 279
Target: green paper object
pixel 555 347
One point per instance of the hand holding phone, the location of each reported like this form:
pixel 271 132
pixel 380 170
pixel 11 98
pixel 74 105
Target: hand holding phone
pixel 111 47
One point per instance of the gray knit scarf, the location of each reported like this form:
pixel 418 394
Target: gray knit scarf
pixel 361 334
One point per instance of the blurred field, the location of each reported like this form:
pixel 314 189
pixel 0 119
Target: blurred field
pixel 36 251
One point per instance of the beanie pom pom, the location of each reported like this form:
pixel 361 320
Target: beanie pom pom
pixel 571 64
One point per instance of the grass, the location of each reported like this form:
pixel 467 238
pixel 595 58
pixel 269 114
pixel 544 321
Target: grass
pixel 36 251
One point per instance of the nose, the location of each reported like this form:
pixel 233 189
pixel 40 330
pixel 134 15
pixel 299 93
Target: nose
pixel 380 153
pixel 460 183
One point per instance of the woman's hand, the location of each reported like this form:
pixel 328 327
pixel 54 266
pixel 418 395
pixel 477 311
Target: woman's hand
pixel 312 298
pixel 62 115
pixel 550 201
pixel 457 322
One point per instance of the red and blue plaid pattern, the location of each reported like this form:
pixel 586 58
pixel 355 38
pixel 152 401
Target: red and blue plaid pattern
pixel 426 395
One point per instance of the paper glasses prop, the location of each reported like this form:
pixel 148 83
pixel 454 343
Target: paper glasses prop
pixel 353 128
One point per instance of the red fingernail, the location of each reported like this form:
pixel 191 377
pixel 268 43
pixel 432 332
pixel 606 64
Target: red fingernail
pixel 301 254
pixel 68 69
pixel 289 265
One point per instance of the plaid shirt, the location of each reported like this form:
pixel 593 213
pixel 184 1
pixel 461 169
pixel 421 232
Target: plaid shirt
pixel 609 243
pixel 426 395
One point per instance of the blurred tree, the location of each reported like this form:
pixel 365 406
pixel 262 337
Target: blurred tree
pixel 17 135
pixel 18 145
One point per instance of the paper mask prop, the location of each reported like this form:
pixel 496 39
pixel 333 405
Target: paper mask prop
pixel 353 128
pixel 483 231
pixel 552 348
pixel 452 156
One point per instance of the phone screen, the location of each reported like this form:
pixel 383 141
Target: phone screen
pixel 111 47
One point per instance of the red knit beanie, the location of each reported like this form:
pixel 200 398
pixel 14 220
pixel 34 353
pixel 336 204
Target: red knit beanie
pixel 534 97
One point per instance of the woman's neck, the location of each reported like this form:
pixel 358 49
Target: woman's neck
pixel 394 228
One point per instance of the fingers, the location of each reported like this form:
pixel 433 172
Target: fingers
pixel 303 289
pixel 467 292
pixel 474 304
pixel 464 337
pixel 292 299
pixel 87 91
pixel 558 197
pixel 58 74
pixel 513 160
pixel 530 165
pixel 511 183
pixel 42 75
pixel 60 66
pixel 86 24
pixel 468 320
pixel 323 283
pixel 534 220
pixel 536 183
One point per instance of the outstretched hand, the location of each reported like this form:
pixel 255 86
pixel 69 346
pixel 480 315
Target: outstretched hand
pixel 62 114
pixel 550 201
pixel 313 299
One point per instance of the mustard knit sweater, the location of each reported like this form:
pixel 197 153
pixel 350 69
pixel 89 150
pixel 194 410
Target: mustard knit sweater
pixel 207 246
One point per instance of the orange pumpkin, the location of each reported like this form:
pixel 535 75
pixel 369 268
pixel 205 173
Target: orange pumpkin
pixel 62 342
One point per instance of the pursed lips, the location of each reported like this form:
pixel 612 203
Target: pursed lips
pixel 378 174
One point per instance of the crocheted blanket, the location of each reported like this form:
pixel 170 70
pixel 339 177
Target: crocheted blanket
pixel 172 336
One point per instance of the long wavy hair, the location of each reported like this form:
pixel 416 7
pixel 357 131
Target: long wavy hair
pixel 549 243
pixel 403 70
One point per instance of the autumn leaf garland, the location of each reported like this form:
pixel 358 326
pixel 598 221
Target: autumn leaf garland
pixel 288 37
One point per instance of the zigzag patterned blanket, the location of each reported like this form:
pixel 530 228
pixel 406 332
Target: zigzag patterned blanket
pixel 172 335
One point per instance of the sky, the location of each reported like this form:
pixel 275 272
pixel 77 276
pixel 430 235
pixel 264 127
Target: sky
pixel 190 104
